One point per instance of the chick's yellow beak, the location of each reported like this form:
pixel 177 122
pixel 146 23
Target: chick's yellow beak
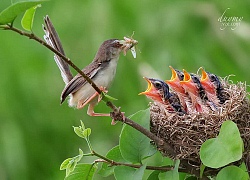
pixel 187 83
pixel 174 78
pixel 149 89
pixel 204 75
pixel 187 77
pixel 206 83
pixel 174 82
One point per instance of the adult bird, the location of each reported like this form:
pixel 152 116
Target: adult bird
pixel 101 70
pixel 213 87
pixel 159 92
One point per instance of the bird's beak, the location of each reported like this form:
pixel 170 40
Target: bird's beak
pixel 204 75
pixel 187 83
pixel 174 81
pixel 205 81
pixel 149 89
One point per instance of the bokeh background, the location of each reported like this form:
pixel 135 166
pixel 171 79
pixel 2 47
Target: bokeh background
pixel 36 132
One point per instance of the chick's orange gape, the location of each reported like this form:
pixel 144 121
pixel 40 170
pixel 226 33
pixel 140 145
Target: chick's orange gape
pixel 202 103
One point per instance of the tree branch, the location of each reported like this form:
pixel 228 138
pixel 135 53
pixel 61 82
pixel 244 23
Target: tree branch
pixel 116 114
pixel 67 60
pixel 114 163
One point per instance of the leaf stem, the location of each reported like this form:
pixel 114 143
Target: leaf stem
pixel 89 144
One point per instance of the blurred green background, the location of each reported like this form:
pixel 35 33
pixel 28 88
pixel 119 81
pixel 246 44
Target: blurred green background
pixel 36 132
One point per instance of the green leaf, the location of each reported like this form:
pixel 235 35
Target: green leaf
pixel 83 172
pixel 86 132
pixel 80 152
pixel 154 175
pixel 226 148
pixel 82 125
pixel 106 97
pixel 244 168
pixel 135 146
pixel 65 163
pixel 232 173
pixel 79 157
pixel 9 14
pixel 71 167
pixel 202 168
pixel 125 173
pixel 28 17
pixel 171 175
pixel 115 155
pixel 79 132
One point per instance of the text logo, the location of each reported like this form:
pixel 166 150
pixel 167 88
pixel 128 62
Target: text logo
pixel 229 21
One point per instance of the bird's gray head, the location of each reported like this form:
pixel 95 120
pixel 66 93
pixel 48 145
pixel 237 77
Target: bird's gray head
pixel 109 50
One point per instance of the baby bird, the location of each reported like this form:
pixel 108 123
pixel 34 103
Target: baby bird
pixel 174 84
pixel 213 87
pixel 193 87
pixel 159 92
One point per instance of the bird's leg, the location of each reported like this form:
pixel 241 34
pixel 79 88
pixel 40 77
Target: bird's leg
pixel 91 112
pixel 82 104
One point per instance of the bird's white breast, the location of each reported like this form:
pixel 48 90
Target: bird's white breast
pixel 103 78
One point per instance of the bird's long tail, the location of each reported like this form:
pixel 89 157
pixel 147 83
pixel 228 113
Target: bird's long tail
pixel 52 38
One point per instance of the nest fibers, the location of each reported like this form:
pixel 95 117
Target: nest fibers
pixel 187 133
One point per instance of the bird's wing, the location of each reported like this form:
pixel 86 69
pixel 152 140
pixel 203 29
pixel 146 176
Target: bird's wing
pixel 52 38
pixel 78 81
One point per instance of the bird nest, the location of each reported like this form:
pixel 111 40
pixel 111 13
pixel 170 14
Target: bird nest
pixel 187 133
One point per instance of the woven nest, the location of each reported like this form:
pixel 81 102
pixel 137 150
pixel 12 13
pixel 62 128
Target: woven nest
pixel 187 133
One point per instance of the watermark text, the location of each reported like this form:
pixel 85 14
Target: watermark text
pixel 229 21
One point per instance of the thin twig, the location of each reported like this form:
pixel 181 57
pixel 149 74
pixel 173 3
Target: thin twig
pixel 159 168
pixel 114 163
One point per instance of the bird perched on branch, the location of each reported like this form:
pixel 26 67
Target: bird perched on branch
pixel 159 92
pixel 101 70
pixel 213 87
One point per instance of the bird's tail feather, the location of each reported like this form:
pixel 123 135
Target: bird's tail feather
pixel 52 38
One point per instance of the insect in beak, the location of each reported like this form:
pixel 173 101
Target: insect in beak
pixel 129 43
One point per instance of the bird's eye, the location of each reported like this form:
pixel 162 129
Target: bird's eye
pixel 212 77
pixel 116 43
pixel 195 79
pixel 158 85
